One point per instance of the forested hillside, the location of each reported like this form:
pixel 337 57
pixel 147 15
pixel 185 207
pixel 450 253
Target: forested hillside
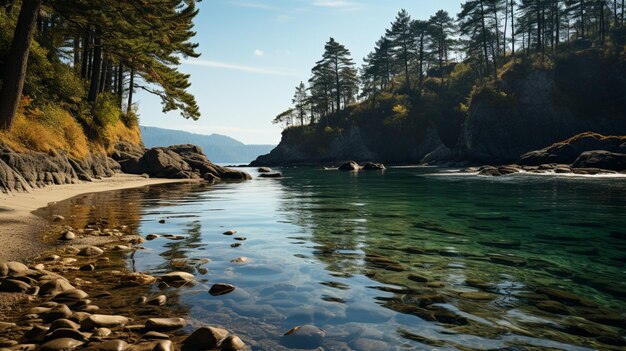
pixel 500 78
pixel 71 67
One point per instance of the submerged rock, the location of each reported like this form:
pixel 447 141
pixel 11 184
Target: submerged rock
pixel 221 289
pixel 303 337
pixel 178 279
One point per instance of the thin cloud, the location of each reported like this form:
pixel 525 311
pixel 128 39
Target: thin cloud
pixel 241 68
pixel 337 4
pixel 258 53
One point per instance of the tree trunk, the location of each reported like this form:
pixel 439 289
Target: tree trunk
pixel 582 19
pixel 506 24
pixel 120 83
pixel 76 53
pixel 85 56
pixel 421 63
pixel 484 30
pixel 17 62
pixel 512 28
pixel 95 71
pixel 338 97
pixel 131 88
pixel 108 78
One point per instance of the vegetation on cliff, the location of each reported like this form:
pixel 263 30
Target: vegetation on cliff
pixel 434 78
pixel 71 68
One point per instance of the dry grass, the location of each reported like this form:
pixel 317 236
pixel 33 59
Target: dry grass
pixel 51 129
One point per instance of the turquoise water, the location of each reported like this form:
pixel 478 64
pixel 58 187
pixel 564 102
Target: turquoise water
pixel 409 258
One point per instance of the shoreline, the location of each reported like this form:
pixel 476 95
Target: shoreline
pixel 20 227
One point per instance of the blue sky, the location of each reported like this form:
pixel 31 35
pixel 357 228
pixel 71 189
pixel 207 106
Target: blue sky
pixel 255 52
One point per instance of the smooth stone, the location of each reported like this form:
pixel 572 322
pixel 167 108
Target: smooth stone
pixel 71 295
pixel 240 238
pixel 59 311
pixel 240 260
pixel 364 344
pixel 54 287
pixel 178 279
pixel 164 324
pixel 68 236
pixel 101 332
pixel 221 289
pixel 52 258
pixel 232 343
pixel 90 251
pixel 154 335
pixel 63 344
pixel 303 337
pixel 66 333
pixel 110 345
pixel 91 309
pixel 157 301
pixel 162 221
pixel 24 347
pixel 235 245
pixel 230 232
pixel 152 236
pixel 163 345
pixel 37 332
pixel 78 317
pixel 64 323
pixel 136 279
pixel 205 338
pixel 13 285
pixel 101 320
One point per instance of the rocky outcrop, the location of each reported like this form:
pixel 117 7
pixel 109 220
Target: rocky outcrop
pixel 568 151
pixel 29 170
pixel 177 161
pixel 355 143
pixel 601 159
pixel 531 108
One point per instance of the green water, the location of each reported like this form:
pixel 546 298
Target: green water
pixel 406 259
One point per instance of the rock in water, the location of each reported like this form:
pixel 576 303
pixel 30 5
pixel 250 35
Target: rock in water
pixel 271 175
pixel 372 166
pixel 221 289
pixel 136 279
pixel 178 279
pixel 164 324
pixel 205 338
pixel 158 301
pixel 264 170
pixel 350 166
pixel 304 337
pixel 230 232
pixel 601 159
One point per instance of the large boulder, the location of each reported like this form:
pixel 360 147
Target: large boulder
pixel 567 151
pixel 601 159
pixel 164 163
pixel 350 166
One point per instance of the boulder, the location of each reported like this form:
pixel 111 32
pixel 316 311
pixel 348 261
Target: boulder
pixel 221 289
pixel 372 166
pixel 601 159
pixel 205 338
pixel 264 170
pixel 350 166
pixel 568 151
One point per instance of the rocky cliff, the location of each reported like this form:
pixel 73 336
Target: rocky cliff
pixel 531 108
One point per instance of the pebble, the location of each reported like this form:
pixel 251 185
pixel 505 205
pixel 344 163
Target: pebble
pixel 178 279
pixel 87 268
pixel 54 287
pixel 152 236
pixel 221 289
pixel 163 345
pixel 101 332
pixel 164 324
pixel 90 251
pixel 230 232
pixel 57 312
pixel 205 338
pixel 68 235
pixel 66 333
pixel 58 218
pixel 235 245
pixel 71 295
pixel 136 279
pixel 64 323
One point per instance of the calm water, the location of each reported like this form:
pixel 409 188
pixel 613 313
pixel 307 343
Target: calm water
pixel 399 260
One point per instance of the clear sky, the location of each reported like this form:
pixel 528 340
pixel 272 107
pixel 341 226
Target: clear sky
pixel 255 52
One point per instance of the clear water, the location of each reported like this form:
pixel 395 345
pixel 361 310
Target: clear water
pixel 403 259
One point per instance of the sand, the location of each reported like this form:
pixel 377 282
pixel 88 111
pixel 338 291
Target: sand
pixel 20 229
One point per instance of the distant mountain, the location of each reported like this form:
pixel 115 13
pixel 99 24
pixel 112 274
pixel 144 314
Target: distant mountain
pixel 218 148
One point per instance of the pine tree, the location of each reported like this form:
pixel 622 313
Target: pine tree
pixel 402 42
pixel 300 102
pixel 442 26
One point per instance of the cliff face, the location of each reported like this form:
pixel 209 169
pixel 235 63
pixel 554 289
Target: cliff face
pixel 355 143
pixel 533 108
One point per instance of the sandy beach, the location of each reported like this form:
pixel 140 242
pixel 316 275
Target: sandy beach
pixel 20 228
